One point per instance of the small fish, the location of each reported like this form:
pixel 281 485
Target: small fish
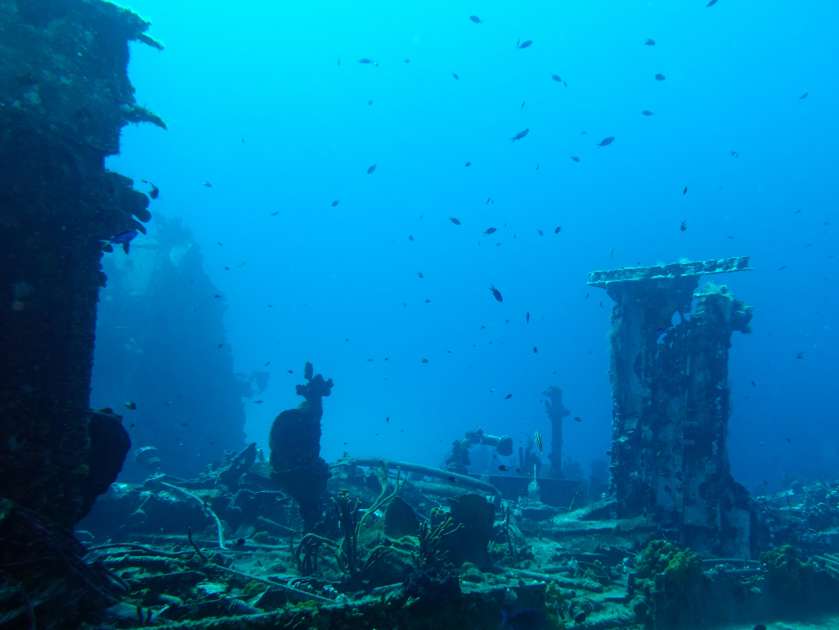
pixel 467 164
pixel 685 190
pixel 508 397
pixel 455 76
pixel 537 439
pixel 535 349
pixel 371 169
pixel 557 78
pixel 366 61
pixel 420 275
pixel 683 226
pixel 475 19
pixel 647 112
pixel 154 193
pixel 650 42
pixel 525 44
pixel 799 355
pixel 540 232
pixel 124 239
pixel 275 213
pixel 527 317
pixel 496 294
pixel 605 142
pixel 521 134
pixel 455 220
pixel 387 419
pixel 803 96
pixel 131 405
pixel 660 77
pixel 523 103
pixel 424 360
pixel 710 3
pixel 427 300
pixel 557 229
pixel 734 153
pixel 490 230
pixel 208 184
pixel 575 158
pixel 577 419
pixel 410 237
pixel 754 384
pixel 335 203
pixel 503 468
pixel 258 402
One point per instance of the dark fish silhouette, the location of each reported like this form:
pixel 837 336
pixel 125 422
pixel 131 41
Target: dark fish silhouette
pixel 455 220
pixel 660 77
pixel 154 193
pixel 559 79
pixel 683 226
pixel 710 3
pixel 521 134
pixel 467 163
pixel 535 350
pixel 455 76
pixel 371 169
pixel 650 42
pixel 557 229
pixel 424 360
pixel 335 203
pixel 647 112
pixel 490 230
pixel 124 239
pixel 527 317
pixel 496 294
pixel 685 190
pixel 503 468
pixel 525 44
pixel 366 61
pixel 576 158
pixel 475 19
pixel 605 142
pixel 508 397
pixel 803 96
pixel 131 405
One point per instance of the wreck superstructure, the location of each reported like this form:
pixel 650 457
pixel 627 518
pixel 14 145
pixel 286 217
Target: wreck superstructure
pixel 64 97
pixel 671 402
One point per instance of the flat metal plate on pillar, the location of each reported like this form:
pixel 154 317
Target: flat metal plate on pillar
pixel 672 271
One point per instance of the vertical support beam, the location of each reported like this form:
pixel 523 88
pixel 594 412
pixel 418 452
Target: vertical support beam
pixel 671 403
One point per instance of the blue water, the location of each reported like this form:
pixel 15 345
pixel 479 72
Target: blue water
pixel 268 102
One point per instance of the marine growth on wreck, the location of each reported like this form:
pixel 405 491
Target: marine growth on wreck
pixel 405 204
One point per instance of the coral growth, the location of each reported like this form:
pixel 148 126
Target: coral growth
pixel 297 466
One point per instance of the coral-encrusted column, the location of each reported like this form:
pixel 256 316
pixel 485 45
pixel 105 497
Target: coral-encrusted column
pixel 64 96
pixel 671 406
